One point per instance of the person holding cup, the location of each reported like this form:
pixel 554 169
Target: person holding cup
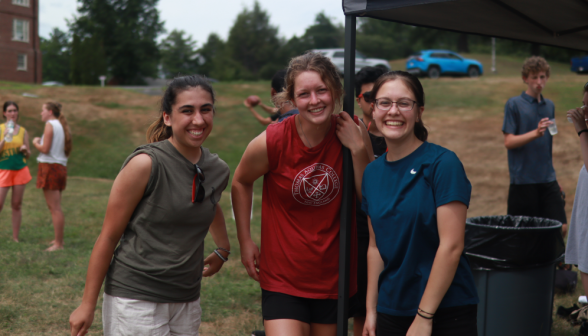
pixel 534 190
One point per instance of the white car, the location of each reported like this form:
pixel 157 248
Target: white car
pixel 338 58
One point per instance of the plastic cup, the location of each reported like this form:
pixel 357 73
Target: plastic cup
pixel 552 128
pixel 570 119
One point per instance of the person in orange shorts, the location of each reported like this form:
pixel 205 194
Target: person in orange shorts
pixel 55 146
pixel 14 173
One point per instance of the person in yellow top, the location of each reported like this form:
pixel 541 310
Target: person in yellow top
pixel 14 152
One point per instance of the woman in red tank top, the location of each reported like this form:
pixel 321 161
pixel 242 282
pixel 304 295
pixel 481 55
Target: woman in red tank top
pixel 302 166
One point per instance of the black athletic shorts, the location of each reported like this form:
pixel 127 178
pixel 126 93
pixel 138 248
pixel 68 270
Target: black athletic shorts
pixel 537 200
pixel 452 321
pixel 276 306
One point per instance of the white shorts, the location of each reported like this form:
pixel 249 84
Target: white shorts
pixel 122 317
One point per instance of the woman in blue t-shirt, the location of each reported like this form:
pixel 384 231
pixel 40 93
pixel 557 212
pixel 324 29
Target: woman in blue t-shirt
pixel 416 198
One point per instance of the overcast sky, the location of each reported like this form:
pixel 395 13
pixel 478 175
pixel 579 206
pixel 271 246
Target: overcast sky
pixel 199 18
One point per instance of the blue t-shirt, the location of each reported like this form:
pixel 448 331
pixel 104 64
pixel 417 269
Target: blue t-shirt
pixel 402 198
pixel 531 163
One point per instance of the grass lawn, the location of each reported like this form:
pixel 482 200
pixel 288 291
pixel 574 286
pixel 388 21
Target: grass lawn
pixel 39 290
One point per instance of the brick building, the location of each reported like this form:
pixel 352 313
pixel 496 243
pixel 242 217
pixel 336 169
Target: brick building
pixel 20 54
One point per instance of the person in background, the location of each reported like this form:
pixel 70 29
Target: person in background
pixel 14 172
pixel 533 191
pixel 301 162
pixel 416 198
pixel 278 114
pixel 55 146
pixel 364 82
pixel 162 204
pixel 577 245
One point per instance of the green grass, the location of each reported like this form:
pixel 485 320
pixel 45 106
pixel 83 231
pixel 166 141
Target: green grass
pixel 39 290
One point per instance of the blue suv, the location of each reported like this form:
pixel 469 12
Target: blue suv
pixel 434 63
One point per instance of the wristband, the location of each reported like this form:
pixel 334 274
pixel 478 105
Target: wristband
pixel 582 131
pixel 221 256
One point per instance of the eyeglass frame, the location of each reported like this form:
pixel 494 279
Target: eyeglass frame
pixel 198 196
pixel 414 103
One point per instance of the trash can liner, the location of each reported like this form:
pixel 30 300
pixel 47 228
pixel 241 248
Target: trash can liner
pixel 509 242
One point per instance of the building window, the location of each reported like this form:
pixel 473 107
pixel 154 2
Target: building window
pixel 24 3
pixel 21 62
pixel 20 30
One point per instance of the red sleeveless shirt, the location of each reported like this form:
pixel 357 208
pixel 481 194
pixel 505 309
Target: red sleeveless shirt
pixel 300 219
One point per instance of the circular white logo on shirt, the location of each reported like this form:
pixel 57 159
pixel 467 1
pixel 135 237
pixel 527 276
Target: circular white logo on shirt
pixel 316 185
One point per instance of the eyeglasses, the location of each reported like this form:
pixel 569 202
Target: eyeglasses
pixel 403 105
pixel 198 196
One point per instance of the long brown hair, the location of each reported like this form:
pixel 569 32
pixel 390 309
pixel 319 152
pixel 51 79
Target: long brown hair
pixel 414 85
pixel 159 131
pixel 55 108
pixel 312 62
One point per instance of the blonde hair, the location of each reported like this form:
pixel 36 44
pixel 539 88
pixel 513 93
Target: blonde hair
pixel 311 62
pixel 535 64
pixel 55 108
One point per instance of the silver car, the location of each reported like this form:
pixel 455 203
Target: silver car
pixel 338 58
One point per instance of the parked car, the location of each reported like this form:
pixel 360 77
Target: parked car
pixel 337 56
pixel 52 83
pixel 434 63
pixel 580 64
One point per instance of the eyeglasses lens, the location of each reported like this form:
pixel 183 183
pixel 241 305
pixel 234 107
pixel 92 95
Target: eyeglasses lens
pixel 197 186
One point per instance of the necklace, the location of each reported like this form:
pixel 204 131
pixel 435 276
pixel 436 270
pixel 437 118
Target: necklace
pixel 304 135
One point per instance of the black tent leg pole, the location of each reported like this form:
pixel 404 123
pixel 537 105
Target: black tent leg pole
pixel 348 183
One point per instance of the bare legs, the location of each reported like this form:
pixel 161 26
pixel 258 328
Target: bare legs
pixel 16 204
pixel 286 327
pixel 53 199
pixel 358 323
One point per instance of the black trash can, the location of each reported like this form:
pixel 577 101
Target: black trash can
pixel 513 261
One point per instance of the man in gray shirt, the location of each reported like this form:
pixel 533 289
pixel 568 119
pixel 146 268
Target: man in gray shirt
pixel 534 190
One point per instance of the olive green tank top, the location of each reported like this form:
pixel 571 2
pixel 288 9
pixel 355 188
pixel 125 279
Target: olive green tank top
pixel 160 256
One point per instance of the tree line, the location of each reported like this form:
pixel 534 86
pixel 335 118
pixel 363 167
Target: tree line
pixel 118 38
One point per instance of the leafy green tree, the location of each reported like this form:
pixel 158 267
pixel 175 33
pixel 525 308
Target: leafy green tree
pixel 87 60
pixel 324 34
pixel 56 56
pixel 127 30
pixel 178 54
pixel 254 43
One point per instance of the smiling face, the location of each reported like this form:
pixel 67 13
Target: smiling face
pixel 11 113
pixel 535 83
pixel 312 97
pixel 191 117
pixel 46 114
pixel 394 124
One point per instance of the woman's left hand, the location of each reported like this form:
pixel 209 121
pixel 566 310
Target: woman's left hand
pixel 214 265
pixel 23 148
pixel 348 132
pixel 420 327
pixel 578 118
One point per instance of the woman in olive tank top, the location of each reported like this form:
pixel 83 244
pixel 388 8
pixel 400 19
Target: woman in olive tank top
pixel 163 203
pixel 14 173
